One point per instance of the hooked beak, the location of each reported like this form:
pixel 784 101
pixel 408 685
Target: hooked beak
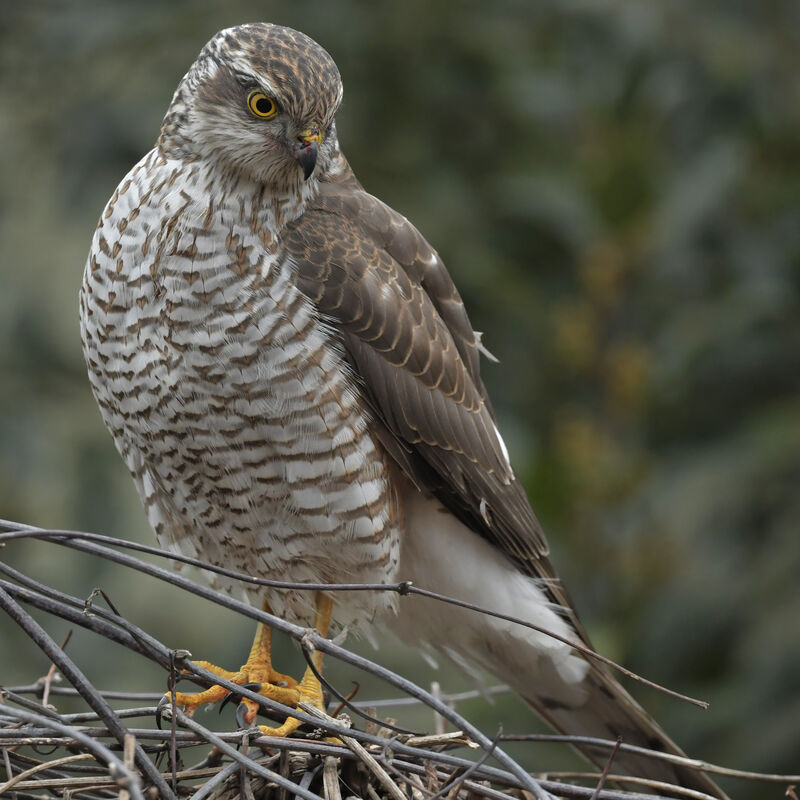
pixel 306 150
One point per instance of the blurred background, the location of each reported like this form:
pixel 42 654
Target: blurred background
pixel 615 187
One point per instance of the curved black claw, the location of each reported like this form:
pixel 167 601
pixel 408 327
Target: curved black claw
pixel 253 687
pixel 165 701
pixel 241 713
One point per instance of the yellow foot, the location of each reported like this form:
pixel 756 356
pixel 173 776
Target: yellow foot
pixel 309 691
pixel 257 674
pixel 259 678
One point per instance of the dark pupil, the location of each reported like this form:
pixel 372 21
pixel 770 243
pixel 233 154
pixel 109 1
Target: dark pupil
pixel 263 105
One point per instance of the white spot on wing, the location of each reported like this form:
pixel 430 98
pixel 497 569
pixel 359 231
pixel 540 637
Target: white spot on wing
pixel 502 447
pixel 484 509
pixel 482 349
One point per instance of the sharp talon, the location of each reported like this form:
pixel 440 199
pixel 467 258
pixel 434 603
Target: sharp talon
pixel 253 687
pixel 242 713
pixel 164 702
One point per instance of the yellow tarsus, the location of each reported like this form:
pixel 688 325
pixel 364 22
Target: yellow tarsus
pixel 309 688
pixel 274 685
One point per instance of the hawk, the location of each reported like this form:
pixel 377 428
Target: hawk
pixel 291 377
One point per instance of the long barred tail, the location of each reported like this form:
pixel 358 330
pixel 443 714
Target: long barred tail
pixel 607 711
pixel 576 696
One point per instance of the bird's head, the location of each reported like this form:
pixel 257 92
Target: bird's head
pixel 260 100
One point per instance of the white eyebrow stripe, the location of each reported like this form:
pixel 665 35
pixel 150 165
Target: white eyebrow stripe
pixel 247 75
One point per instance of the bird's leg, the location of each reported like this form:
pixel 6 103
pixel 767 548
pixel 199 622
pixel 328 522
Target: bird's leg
pixel 309 688
pixel 257 669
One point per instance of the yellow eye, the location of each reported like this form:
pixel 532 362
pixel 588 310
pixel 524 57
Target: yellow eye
pixel 261 106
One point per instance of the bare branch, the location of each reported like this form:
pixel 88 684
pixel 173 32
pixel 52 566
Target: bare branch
pixel 373 762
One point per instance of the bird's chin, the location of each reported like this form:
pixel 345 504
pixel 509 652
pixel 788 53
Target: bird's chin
pixel 278 176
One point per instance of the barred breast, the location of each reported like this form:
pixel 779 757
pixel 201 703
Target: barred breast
pixel 227 396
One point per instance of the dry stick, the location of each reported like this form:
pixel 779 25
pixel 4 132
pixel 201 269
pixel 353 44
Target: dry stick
pixel 606 769
pixel 128 753
pixel 322 748
pixel 244 779
pixel 409 780
pixel 347 702
pixel 122 713
pixel 66 607
pixel 68 691
pixel 4 787
pixel 18 530
pixel 311 746
pixel 316 640
pixel 310 774
pixel 92 781
pixel 173 747
pixel 120 774
pixel 344 701
pixel 306 745
pixel 330 779
pixel 570 739
pixel 209 786
pixel 7 762
pixel 37 708
pixel 51 673
pixel 252 765
pixel 452 739
pixel 383 702
pixel 651 783
pixel 559 789
pixel 367 758
pixel 457 781
pixel 684 761
pixel 283 766
pixel 74 675
pixel 438 721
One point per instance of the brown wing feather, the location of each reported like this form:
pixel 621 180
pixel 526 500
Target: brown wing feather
pixel 408 338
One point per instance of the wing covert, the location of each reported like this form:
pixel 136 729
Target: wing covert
pixel 408 338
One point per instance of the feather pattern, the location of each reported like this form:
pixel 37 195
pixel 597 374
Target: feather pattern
pixel 412 349
pixel 289 372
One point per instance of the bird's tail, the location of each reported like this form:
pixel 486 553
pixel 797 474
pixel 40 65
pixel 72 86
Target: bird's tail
pixel 605 710
pixel 576 696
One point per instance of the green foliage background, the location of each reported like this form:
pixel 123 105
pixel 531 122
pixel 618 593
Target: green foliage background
pixel 615 187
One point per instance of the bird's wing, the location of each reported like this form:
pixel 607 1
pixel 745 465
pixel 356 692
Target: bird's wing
pixel 407 336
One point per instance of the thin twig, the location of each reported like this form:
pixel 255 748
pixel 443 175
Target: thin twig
pixel 252 765
pixel 210 786
pixel 455 782
pixel 22 776
pixel 345 701
pixel 606 769
pixel 330 779
pixel 670 788
pixel 71 672
pixel 315 640
pixel 404 758
pixel 120 774
pixel 367 758
pixel 48 679
pixel 402 587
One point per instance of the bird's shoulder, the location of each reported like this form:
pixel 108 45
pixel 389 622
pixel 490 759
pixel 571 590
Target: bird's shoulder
pixel 347 231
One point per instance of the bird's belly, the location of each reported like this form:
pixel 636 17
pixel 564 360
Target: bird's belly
pixel 281 479
pixel 250 446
